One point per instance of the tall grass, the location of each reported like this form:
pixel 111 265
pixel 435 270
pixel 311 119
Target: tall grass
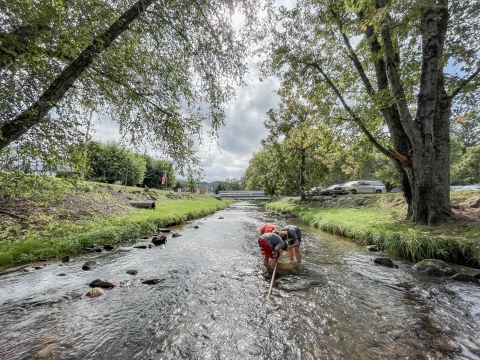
pixel 398 237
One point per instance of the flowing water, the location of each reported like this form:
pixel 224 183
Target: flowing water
pixel 212 303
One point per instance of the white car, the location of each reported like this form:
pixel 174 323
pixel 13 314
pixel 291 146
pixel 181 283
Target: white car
pixel 366 187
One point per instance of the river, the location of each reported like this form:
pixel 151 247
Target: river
pixel 212 302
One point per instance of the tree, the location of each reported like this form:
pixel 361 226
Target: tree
pixel 263 171
pixel 155 171
pixel 292 127
pixel 160 69
pixel 467 169
pixel 394 79
pixel 110 163
pixel 466 129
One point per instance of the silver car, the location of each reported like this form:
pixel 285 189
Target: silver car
pixel 366 187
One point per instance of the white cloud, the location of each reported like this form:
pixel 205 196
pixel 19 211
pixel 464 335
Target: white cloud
pixel 238 139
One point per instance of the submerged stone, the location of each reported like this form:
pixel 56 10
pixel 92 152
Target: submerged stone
pixel 152 281
pixel 434 267
pixel 373 248
pixel 464 278
pixel 385 261
pixel 159 240
pixel 104 284
pixel 89 265
pixel 95 292
pixel 140 246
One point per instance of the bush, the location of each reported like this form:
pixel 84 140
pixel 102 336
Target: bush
pixel 68 174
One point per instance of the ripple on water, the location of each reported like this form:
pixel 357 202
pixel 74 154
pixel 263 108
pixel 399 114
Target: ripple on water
pixel 212 303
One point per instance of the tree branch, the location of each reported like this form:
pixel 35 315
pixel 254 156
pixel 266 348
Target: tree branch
pixel 14 129
pixel 351 112
pixel 395 83
pixel 464 83
pixel 140 95
pixel 358 65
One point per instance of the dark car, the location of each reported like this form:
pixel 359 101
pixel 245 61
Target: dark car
pixel 315 191
pixel 328 190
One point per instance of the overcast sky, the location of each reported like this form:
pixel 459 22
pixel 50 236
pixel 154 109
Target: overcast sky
pixel 242 132
pixel 240 136
pixel 238 139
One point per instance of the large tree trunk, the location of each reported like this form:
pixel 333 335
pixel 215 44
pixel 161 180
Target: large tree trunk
pixel 13 130
pixel 428 166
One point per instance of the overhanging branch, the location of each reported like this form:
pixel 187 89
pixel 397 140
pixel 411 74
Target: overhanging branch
pixel 354 116
pixel 14 129
pixel 464 83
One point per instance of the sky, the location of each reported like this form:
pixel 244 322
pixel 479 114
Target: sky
pixel 240 136
pixel 243 130
pixel 238 139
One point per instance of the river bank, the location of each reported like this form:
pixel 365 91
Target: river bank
pixel 380 220
pixel 50 218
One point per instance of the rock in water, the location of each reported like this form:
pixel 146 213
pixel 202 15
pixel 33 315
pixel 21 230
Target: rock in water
pixel 434 267
pixel 108 247
pixel 221 217
pixel 385 261
pixel 89 265
pixel 124 249
pixel 132 272
pixel 373 248
pixel 66 259
pixel 140 246
pixel 95 292
pixel 465 278
pixel 159 240
pixel 175 234
pixel 104 284
pixel 48 352
pixel 152 281
pixel 195 227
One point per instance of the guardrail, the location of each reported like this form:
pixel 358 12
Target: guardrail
pixel 243 195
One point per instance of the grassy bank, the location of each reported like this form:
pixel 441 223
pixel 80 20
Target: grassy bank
pixel 380 220
pixel 64 218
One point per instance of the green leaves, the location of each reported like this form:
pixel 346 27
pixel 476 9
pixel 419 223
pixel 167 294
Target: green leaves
pixel 173 70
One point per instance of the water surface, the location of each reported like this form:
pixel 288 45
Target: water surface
pixel 212 303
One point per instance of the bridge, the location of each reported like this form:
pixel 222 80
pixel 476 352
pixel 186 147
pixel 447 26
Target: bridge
pixel 242 195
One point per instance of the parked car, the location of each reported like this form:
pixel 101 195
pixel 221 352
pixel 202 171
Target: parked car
pixel 396 190
pixel 315 191
pixel 329 190
pixel 340 189
pixel 365 187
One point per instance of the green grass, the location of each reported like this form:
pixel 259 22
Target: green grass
pixel 69 237
pixel 382 223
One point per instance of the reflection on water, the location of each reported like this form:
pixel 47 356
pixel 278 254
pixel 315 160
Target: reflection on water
pixel 212 304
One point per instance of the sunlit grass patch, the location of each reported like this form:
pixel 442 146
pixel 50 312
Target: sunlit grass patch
pixel 382 223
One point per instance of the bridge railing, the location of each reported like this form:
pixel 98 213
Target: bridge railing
pixel 242 193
